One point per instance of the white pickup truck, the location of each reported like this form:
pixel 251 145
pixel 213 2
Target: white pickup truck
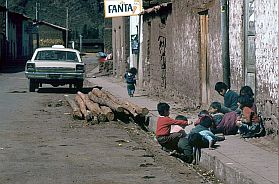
pixel 56 66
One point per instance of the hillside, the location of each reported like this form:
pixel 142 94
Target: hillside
pixel 86 17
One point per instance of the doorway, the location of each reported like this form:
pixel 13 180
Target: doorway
pixel 250 45
pixel 204 68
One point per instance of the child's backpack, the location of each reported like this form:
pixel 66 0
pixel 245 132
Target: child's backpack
pixel 129 78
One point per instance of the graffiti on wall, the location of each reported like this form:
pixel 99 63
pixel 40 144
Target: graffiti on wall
pixel 162 51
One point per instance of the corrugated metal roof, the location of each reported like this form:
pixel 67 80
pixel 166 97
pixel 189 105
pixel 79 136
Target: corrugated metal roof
pixel 51 25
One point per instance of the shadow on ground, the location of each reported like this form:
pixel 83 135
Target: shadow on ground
pixel 12 69
pixel 64 90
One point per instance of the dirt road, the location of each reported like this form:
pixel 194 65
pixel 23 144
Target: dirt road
pixel 41 143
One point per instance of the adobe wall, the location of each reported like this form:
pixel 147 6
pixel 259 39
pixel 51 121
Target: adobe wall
pixel 180 33
pixel 120 30
pixel 267 56
pixel 236 43
pixel 176 42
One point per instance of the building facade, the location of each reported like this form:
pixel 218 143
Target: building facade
pixel 16 39
pixel 183 48
pixel 120 45
pixel 2 35
pixel 49 34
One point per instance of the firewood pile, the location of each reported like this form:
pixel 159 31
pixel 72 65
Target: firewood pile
pixel 100 105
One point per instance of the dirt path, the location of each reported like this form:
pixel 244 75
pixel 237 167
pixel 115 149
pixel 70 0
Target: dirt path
pixel 41 143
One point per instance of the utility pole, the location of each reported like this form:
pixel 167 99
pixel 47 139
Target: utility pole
pixel 37 11
pixel 67 26
pixel 7 23
pixel 80 43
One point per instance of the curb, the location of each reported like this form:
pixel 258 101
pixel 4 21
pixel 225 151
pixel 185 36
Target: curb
pixel 223 167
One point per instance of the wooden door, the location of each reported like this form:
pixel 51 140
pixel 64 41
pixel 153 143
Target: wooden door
pixel 204 69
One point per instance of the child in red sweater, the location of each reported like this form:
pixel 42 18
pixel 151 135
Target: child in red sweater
pixel 163 135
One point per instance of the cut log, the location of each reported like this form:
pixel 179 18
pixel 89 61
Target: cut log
pixel 82 107
pixel 75 109
pixel 108 112
pixel 133 108
pixel 130 108
pixel 139 110
pixel 106 102
pixel 93 107
pixel 99 93
pixel 112 97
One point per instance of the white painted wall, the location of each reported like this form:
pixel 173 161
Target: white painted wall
pixel 134 26
pixel 267 48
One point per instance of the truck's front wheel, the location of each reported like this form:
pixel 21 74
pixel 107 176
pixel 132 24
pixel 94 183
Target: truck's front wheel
pixel 79 85
pixel 32 85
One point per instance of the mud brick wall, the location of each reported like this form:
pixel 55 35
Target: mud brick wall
pixel 236 43
pixel 214 50
pixel 120 44
pixel 171 52
pixel 108 35
pixel 176 43
pixel 185 58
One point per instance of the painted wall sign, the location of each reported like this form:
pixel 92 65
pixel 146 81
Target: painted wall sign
pixel 120 8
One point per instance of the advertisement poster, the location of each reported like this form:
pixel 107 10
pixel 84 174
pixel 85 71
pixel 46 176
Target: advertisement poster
pixel 120 8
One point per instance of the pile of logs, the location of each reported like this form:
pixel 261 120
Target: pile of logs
pixel 100 106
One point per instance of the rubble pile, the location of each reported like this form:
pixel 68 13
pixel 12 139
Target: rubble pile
pixel 100 105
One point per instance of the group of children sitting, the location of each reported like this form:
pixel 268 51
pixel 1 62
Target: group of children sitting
pixel 244 120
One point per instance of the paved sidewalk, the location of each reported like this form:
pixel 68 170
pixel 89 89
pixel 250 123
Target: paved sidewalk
pixel 235 161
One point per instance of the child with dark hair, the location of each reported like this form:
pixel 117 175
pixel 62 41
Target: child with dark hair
pixel 200 115
pixel 164 136
pixel 248 122
pixel 230 97
pixel 181 117
pixel 130 78
pixel 203 128
pixel 247 90
pixel 178 128
pixel 214 110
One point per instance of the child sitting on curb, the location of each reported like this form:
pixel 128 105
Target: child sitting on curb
pixel 164 137
pixel 200 115
pixel 214 110
pixel 203 128
pixel 178 128
pixel 249 123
